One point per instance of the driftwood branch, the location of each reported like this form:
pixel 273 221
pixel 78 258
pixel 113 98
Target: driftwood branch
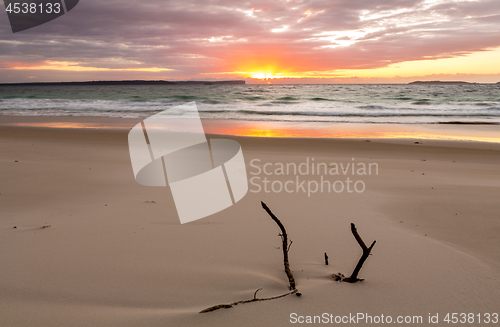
pixel 366 252
pixel 285 246
pixel 255 299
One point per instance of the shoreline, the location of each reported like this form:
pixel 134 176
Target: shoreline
pixel 488 133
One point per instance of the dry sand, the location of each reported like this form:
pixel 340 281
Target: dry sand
pixel 116 255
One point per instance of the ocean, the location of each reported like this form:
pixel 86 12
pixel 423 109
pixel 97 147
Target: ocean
pixel 366 103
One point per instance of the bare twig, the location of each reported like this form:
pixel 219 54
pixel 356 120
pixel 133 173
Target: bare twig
pixel 366 252
pixel 357 237
pixel 255 299
pixel 326 259
pixel 217 307
pixel 255 294
pixel 285 246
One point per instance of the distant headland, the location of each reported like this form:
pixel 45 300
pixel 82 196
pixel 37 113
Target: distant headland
pixel 128 82
pixel 441 82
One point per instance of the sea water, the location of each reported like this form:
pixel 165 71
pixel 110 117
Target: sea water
pixel 366 103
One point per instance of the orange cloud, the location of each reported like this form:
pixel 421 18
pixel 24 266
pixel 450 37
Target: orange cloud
pixel 74 67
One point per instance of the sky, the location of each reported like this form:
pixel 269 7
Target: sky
pixel 276 41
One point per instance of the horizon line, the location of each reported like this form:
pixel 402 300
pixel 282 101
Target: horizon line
pixel 228 81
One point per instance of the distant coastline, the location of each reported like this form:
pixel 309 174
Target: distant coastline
pixel 127 82
pixel 441 82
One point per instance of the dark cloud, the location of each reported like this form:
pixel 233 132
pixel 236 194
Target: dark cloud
pixel 194 38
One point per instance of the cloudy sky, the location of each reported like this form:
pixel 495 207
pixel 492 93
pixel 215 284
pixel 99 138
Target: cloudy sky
pixel 277 41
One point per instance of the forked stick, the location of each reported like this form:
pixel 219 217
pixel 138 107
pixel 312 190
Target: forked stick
pixel 366 252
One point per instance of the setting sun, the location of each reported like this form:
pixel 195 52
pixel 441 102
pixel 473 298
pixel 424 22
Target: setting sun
pixel 262 75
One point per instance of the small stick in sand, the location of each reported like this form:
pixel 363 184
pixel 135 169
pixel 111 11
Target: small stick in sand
pixel 366 252
pixel 326 259
pixel 285 246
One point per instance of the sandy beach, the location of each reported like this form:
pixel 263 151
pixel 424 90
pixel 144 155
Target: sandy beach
pixel 83 244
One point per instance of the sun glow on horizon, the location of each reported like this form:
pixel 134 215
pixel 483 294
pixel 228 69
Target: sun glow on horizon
pixel 475 63
pixel 478 63
pixel 267 76
pixel 262 75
